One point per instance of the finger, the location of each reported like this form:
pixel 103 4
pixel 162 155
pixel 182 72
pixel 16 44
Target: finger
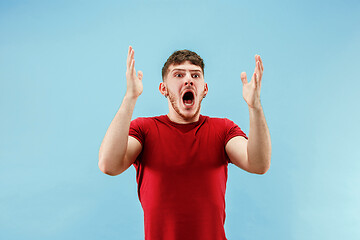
pixel 256 79
pixel 243 78
pixel 256 65
pixel 261 64
pixel 132 64
pixel 258 59
pixel 140 75
pixel 132 54
pixel 133 69
pixel 259 72
pixel 128 57
pixel 257 69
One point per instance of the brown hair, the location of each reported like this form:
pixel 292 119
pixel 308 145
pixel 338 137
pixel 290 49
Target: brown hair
pixel 181 56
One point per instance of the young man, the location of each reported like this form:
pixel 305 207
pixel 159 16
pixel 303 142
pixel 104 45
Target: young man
pixel 181 158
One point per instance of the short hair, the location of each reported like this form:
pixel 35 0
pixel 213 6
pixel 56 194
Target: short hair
pixel 181 56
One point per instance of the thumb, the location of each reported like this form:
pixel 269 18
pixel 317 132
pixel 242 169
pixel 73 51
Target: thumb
pixel 140 75
pixel 243 77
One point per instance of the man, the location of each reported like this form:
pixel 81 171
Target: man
pixel 181 158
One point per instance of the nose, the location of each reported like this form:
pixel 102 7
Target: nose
pixel 189 81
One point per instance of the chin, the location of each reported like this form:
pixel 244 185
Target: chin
pixel 190 113
pixel 185 112
pixel 188 116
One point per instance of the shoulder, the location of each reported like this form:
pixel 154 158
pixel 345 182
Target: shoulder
pixel 226 125
pixel 217 121
pixel 147 120
pixel 145 124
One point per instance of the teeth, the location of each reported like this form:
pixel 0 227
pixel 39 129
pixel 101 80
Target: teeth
pixel 188 104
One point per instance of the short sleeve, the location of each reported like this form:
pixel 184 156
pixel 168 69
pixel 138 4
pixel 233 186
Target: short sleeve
pixel 233 130
pixel 136 130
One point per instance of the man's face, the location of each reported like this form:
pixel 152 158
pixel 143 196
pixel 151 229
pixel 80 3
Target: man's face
pixel 185 88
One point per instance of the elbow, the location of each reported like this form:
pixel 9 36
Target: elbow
pixel 106 169
pixel 106 165
pixel 262 169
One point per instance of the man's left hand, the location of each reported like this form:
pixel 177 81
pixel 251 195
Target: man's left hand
pixel 251 90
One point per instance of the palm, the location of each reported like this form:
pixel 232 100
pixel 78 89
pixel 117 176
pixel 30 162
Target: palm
pixel 251 93
pixel 134 83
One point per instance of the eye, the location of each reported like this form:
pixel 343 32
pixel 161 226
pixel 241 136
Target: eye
pixel 178 75
pixel 195 76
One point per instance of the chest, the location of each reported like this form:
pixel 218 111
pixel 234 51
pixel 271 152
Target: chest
pixel 174 150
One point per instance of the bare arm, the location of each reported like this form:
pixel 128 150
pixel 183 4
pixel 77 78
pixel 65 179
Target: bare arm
pixel 253 155
pixel 118 151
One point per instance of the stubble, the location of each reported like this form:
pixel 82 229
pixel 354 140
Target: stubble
pixel 172 99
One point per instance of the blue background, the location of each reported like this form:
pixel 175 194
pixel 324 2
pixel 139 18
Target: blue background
pixel 62 72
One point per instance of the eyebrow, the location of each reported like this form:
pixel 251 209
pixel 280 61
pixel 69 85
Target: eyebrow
pixel 181 69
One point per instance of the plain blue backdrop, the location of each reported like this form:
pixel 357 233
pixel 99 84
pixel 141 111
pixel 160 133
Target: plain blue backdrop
pixel 62 73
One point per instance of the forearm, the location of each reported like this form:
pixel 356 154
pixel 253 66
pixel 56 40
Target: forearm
pixel 259 142
pixel 113 147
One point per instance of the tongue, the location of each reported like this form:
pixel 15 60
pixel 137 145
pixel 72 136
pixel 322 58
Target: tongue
pixel 188 101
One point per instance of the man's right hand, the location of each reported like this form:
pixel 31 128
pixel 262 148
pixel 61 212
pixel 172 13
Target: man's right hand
pixel 118 150
pixel 133 82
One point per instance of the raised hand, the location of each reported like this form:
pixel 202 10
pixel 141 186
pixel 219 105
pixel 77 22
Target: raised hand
pixel 251 90
pixel 133 82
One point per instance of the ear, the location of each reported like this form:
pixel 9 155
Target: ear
pixel 205 89
pixel 163 89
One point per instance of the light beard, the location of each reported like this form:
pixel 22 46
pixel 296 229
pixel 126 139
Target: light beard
pixel 177 110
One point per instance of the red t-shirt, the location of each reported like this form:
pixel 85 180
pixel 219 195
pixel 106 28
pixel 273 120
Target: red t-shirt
pixel 181 174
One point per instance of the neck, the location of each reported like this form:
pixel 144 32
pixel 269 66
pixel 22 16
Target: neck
pixel 175 117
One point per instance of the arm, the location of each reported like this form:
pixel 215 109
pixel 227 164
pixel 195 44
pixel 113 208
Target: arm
pixel 118 150
pixel 253 155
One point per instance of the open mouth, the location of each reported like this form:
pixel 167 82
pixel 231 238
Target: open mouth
pixel 188 99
